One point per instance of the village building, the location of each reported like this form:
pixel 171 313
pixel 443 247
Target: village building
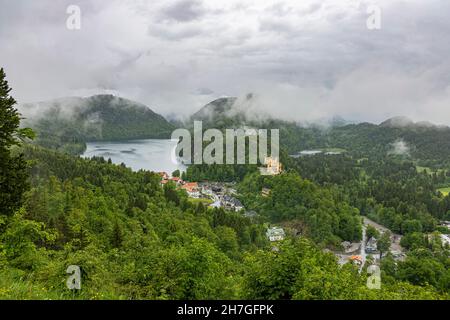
pixel 238 206
pixel 445 240
pixel 275 234
pixel 350 247
pixel 398 255
pixel 176 180
pixel 371 246
pixel 346 244
pixel 232 203
pixel 356 260
pixel 217 204
pixel 207 192
pixel 163 175
pixel 191 189
pixel 250 214
pixel 445 224
pixel 265 192
pixel 164 182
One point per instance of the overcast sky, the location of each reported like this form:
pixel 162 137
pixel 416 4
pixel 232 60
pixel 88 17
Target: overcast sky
pixel 303 59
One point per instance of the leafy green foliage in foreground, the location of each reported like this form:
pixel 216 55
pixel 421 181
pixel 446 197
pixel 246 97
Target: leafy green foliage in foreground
pixel 299 271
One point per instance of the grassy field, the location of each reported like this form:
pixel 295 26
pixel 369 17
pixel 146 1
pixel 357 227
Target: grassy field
pixel 429 170
pixel 206 202
pixel 445 191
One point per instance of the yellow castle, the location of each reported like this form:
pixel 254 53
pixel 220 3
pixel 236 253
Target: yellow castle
pixel 273 166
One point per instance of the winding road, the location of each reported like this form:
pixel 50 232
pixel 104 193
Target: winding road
pixel 363 246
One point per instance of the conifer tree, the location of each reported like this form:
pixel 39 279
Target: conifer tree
pixel 13 169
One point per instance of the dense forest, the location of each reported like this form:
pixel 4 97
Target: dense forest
pixel 426 144
pixel 391 191
pixel 134 239
pixel 396 194
pixel 324 216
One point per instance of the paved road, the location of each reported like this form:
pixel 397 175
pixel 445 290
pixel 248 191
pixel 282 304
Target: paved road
pixel 372 223
pixel 363 247
pixel 395 244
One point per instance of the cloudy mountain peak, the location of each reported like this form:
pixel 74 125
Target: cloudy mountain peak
pixel 397 122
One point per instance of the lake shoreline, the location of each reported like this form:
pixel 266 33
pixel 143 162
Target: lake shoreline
pixel 157 155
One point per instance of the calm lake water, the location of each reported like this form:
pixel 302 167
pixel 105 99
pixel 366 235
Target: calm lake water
pixel 152 154
pixel 315 152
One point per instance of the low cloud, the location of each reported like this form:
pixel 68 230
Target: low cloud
pixel 400 147
pixel 184 10
pixel 303 60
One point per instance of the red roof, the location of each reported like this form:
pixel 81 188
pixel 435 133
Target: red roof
pixel 356 258
pixel 190 186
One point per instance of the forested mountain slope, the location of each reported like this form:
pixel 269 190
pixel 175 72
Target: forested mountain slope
pixel 66 124
pixel 426 143
pixel 421 141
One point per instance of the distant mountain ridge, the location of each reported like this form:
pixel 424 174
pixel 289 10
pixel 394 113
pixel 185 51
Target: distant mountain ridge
pixel 219 114
pixel 232 113
pixel 218 107
pixel 66 124
pixel 425 141
pixel 405 122
pixel 236 112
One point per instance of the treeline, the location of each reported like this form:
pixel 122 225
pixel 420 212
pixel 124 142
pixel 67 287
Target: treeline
pixel 217 172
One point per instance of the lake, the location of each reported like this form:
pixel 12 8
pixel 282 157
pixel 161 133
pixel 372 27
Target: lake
pixel 151 154
pixel 328 152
